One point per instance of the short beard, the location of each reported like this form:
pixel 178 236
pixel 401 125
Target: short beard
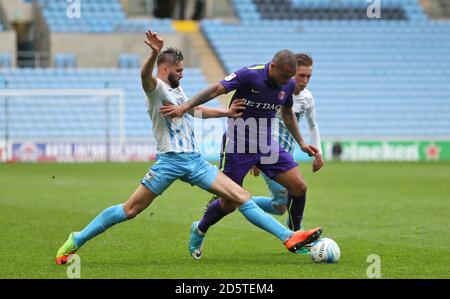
pixel 173 82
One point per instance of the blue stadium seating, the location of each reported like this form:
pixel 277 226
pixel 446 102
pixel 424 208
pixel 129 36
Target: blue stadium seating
pixel 254 10
pixel 140 25
pixel 5 60
pixel 374 78
pixel 128 61
pixel 97 16
pixel 330 9
pixel 65 60
pixel 44 117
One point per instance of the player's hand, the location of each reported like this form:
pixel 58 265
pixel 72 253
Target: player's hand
pixel 154 41
pixel 317 163
pixel 236 108
pixel 172 111
pixel 309 149
pixel 255 171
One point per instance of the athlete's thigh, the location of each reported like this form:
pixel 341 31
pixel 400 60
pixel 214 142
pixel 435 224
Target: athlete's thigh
pixel 163 173
pixel 227 189
pixel 283 163
pixel 292 179
pixel 236 166
pixel 141 198
pixel 209 178
pixel 285 171
pixel 201 174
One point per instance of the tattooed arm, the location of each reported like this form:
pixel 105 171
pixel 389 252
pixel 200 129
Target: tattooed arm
pixel 202 97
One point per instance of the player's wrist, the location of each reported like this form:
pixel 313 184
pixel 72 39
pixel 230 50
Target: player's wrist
pixel 229 113
pixel 185 107
pixel 155 51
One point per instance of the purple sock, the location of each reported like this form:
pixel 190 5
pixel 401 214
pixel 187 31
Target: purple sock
pixel 213 214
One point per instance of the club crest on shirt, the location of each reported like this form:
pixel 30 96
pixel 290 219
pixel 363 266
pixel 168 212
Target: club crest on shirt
pixel 302 111
pixel 281 95
pixel 230 77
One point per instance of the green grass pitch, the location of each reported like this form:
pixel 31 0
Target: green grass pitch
pixel 399 211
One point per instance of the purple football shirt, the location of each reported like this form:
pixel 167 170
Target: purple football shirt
pixel 262 99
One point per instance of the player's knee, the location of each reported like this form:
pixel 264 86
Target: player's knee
pixel 304 187
pixel 298 188
pixel 228 205
pixel 243 195
pixel 131 211
pixel 234 198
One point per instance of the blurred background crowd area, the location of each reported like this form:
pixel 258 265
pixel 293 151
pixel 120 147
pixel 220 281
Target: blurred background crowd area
pixel 381 67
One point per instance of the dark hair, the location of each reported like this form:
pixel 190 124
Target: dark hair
pixel 303 59
pixel 170 55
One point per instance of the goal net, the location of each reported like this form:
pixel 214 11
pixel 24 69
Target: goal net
pixel 62 125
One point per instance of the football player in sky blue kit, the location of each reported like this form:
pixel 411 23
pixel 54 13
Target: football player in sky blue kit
pixel 265 89
pixel 178 157
pixel 304 105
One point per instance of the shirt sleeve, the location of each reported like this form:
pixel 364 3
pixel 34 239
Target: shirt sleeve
pixel 235 80
pixel 157 92
pixel 313 127
pixel 156 96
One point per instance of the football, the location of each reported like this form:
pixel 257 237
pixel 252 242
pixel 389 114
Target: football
pixel 325 250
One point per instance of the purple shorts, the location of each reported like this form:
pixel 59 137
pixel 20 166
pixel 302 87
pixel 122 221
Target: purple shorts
pixel 237 165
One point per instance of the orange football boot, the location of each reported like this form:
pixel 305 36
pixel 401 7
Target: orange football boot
pixel 301 238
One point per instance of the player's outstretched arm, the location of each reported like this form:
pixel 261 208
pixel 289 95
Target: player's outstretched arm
pixel 205 95
pixel 156 43
pixel 291 123
pixel 314 132
pixel 235 110
pixel 202 97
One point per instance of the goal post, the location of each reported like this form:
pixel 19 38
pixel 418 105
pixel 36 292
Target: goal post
pixel 31 120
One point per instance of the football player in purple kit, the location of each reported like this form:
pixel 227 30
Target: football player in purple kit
pixel 264 89
pixel 178 159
